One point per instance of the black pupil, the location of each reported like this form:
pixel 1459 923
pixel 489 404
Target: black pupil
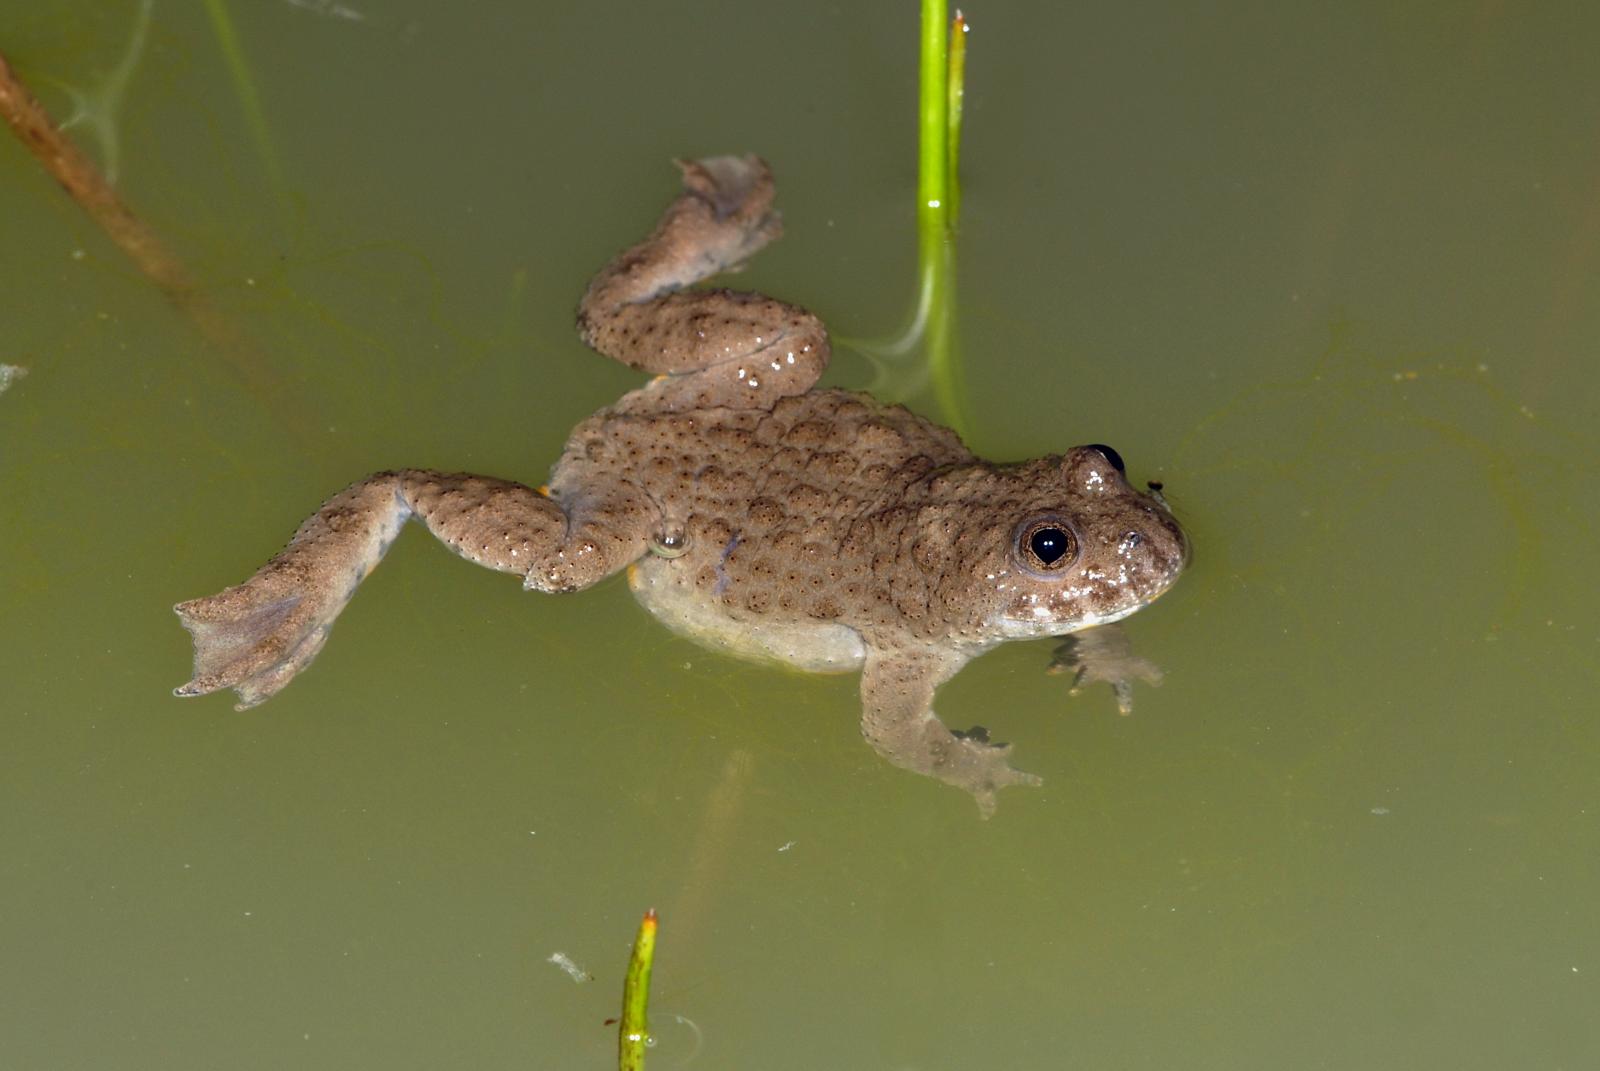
pixel 1049 545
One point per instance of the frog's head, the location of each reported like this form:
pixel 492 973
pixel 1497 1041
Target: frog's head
pixel 1078 547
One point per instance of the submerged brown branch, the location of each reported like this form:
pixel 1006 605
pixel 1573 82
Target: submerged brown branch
pixel 84 183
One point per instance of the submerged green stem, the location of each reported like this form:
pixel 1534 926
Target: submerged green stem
pixel 936 253
pixel 941 85
pixel 244 85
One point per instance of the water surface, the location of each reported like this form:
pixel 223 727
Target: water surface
pixel 1331 276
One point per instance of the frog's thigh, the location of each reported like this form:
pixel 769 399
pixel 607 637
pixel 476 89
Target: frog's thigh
pixel 517 529
pixel 717 348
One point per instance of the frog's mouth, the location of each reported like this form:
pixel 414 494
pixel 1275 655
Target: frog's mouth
pixel 1045 623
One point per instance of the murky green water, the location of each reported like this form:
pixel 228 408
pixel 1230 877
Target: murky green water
pixel 1331 276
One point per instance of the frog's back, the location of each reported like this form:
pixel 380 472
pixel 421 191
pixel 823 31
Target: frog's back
pixel 813 459
pixel 757 507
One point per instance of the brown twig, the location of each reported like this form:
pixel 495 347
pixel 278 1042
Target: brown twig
pixel 84 183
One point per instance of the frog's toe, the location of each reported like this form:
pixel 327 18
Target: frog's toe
pixel 986 795
pixel 262 686
pixel 986 801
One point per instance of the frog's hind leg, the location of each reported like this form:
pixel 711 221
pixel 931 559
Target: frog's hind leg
pixel 255 637
pixel 711 347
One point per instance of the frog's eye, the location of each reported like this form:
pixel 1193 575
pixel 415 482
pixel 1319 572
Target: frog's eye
pixel 1110 455
pixel 1045 545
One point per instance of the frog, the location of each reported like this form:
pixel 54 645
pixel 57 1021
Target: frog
pixel 753 511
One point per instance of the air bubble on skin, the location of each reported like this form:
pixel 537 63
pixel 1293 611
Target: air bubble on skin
pixel 670 542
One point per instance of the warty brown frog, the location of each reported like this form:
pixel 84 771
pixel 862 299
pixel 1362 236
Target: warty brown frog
pixel 752 511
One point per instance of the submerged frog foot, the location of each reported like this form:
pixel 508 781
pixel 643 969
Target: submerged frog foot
pixel 983 769
pixel 251 644
pixel 740 187
pixel 1104 655
pixel 739 191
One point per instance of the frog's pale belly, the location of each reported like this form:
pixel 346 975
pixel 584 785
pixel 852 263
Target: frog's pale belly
pixel 663 586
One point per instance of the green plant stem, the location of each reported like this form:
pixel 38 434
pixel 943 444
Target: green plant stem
pixel 944 366
pixel 249 99
pixel 634 1033
pixel 954 95
pixel 941 84
pixel 942 75
pixel 933 162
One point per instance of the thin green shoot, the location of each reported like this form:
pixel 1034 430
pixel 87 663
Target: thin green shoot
pixel 933 131
pixel 245 87
pixel 633 1036
pixel 943 85
pixel 954 98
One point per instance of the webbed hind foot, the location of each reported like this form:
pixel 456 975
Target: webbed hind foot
pixel 251 641
pixel 256 636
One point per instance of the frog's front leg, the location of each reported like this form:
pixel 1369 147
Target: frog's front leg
pixel 897 719
pixel 255 637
